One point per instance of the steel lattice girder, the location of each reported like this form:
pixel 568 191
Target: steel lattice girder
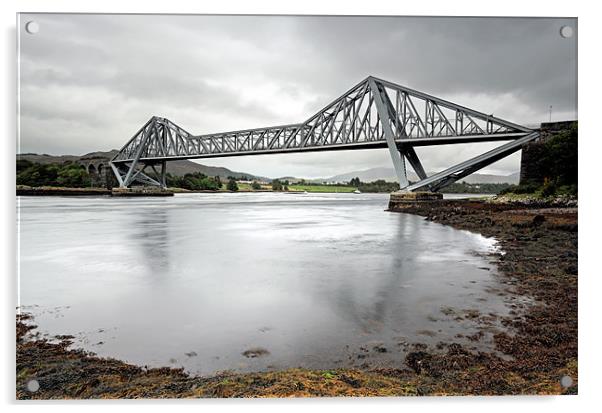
pixel 444 178
pixel 373 114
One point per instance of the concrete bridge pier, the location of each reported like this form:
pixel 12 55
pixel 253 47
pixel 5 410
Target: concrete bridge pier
pixel 400 198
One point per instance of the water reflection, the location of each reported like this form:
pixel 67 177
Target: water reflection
pixel 311 279
pixel 151 235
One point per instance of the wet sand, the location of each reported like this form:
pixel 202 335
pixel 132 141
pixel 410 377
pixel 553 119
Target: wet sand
pixel 537 261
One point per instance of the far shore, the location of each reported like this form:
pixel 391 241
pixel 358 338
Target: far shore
pixel 60 191
pixel 24 190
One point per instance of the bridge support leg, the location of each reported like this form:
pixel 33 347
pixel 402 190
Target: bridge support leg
pixel 129 177
pixel 117 174
pixel 163 175
pixel 385 122
pixel 400 167
pixel 131 173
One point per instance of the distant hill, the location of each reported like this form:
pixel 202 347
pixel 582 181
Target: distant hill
pixel 176 168
pixel 46 159
pixel 492 179
pixel 367 175
pixel 388 174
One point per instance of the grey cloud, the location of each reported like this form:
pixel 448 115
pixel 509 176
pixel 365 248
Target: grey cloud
pixel 103 75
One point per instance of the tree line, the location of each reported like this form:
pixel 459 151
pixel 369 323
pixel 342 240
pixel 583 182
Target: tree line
pixel 194 181
pixel 197 181
pixel 278 185
pixel 380 185
pixel 68 174
pixel 556 161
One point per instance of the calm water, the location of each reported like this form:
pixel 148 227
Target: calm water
pixel 198 279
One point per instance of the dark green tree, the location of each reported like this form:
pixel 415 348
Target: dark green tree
pixel 559 160
pixel 194 182
pixel 23 164
pixel 355 182
pixel 276 185
pixel 67 174
pixel 556 163
pixel 232 185
pixel 73 176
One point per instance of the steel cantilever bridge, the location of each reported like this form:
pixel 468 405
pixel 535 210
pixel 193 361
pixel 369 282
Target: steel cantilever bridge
pixel 373 114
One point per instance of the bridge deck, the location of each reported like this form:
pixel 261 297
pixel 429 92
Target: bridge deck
pixel 413 142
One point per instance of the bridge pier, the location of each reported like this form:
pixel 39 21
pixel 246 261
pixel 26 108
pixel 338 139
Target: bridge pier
pixel 144 191
pixel 399 199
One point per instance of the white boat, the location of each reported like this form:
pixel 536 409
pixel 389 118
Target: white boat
pixel 357 191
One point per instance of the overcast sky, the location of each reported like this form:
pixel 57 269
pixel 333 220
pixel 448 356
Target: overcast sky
pixel 88 82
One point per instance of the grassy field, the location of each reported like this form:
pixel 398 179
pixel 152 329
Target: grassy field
pixel 321 188
pixel 241 187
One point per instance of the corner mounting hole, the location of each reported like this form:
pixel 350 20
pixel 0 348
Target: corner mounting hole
pixel 32 27
pixel 566 32
pixel 566 381
pixel 33 386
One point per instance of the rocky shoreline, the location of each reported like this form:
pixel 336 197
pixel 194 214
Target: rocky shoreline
pixel 538 239
pixel 539 260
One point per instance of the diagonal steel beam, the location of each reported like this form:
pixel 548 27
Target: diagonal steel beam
pixel 128 177
pixel 117 173
pixel 410 153
pixel 385 123
pixel 451 105
pixel 406 151
pixel 465 168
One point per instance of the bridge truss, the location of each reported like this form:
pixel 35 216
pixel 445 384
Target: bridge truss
pixel 373 114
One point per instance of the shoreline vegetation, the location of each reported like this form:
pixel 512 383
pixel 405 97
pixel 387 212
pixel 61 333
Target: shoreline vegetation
pixel 48 190
pixel 539 261
pixel 70 178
